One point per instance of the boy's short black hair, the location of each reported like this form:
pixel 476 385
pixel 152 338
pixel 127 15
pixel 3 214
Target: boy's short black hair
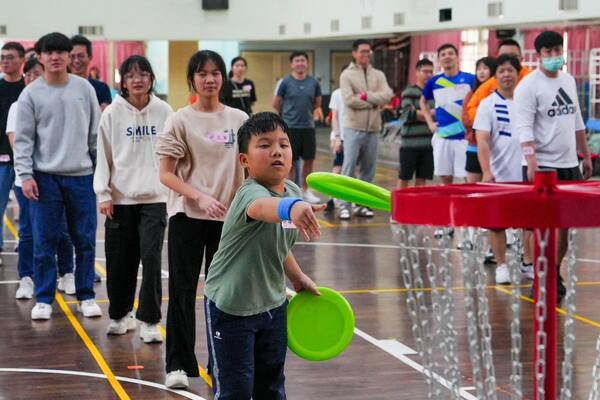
pixel 547 39
pixel 31 64
pixel 143 65
pixel 509 42
pixel 18 47
pixel 356 44
pixel 447 46
pixel 514 61
pixel 257 124
pixel 199 60
pixel 80 40
pixel 54 41
pixel 423 62
pixel 298 53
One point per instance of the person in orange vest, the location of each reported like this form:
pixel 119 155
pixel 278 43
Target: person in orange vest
pixel 507 46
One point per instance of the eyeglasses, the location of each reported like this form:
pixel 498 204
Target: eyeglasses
pixel 140 75
pixel 366 52
pixel 7 57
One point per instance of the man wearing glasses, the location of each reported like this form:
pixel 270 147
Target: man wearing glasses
pixel 364 91
pixel 81 56
pixel 11 86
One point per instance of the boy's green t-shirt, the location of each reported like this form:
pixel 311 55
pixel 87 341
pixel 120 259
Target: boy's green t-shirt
pixel 246 276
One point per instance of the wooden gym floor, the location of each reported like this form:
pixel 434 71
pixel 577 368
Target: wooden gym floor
pixel 70 357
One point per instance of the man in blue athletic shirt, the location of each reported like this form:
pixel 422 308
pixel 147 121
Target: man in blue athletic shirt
pixel 448 89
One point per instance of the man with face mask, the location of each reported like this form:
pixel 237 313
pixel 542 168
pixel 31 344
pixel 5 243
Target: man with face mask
pixel 549 123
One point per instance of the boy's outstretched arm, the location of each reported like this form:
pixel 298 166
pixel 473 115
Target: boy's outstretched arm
pixel 275 210
pixel 299 279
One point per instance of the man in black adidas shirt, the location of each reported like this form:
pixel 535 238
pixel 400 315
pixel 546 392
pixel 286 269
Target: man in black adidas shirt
pixel 549 123
pixel 11 86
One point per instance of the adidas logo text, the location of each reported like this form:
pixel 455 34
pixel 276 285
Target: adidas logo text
pixel 562 105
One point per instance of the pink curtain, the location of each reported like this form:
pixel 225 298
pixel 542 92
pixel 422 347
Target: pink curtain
pixel 493 43
pixel 594 37
pixel 529 35
pixel 128 48
pixel 429 43
pixel 100 58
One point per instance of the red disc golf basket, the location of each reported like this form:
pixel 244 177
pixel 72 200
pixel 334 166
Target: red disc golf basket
pixel 542 207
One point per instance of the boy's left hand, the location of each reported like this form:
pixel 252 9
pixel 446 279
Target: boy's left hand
pixel 305 283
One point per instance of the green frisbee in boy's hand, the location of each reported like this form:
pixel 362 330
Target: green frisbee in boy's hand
pixel 350 189
pixel 319 327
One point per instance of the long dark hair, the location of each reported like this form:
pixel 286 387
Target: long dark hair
pixel 199 60
pixel 143 65
pixel 236 59
pixel 489 62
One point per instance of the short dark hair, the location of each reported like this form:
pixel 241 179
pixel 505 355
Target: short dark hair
pixel 80 40
pixel 18 47
pixel 31 63
pixel 504 58
pixel 547 39
pixel 199 60
pixel 509 42
pixel 424 62
pixel 298 53
pixel 447 46
pixel 128 65
pixel 257 124
pixel 356 44
pixel 236 59
pixel 54 41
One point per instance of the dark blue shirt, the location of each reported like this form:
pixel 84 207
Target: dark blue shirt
pixel 298 101
pixel 102 91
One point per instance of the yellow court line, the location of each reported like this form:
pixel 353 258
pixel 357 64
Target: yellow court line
pixel 101 269
pixel 92 348
pixel 325 224
pixel 81 332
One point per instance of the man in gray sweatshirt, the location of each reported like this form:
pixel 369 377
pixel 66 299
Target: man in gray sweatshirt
pixel 55 153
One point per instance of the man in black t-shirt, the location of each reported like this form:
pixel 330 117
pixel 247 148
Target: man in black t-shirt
pixel 81 56
pixel 12 84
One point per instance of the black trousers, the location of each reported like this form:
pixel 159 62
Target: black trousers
pixel 136 232
pixel 189 240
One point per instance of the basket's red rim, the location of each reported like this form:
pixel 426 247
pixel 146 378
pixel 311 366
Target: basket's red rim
pixel 544 204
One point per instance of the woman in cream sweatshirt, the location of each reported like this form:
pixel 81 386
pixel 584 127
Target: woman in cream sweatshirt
pixel 199 163
pixel 131 196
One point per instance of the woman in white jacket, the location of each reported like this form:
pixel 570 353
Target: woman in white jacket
pixel 131 196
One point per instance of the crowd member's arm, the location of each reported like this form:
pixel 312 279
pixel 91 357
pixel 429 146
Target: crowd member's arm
pixel 336 140
pixel 95 113
pixel 300 281
pixel 525 110
pixel 350 98
pixel 428 116
pixel 582 147
pixel 11 122
pixel 383 95
pixel 24 145
pixel 170 148
pixel 302 214
pixel 483 91
pixel 104 163
pixel 483 153
pixel 278 99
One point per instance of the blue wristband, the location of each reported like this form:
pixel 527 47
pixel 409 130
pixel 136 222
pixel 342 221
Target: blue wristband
pixel 285 207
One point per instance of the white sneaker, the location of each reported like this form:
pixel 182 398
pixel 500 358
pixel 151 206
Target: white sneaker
pixel 310 197
pixel 527 271
pixel 502 275
pixel 344 214
pixel 41 311
pixel 25 290
pixel 365 212
pixel 66 283
pixel 121 326
pixel 89 308
pixel 149 333
pixel 177 380
pixel 441 232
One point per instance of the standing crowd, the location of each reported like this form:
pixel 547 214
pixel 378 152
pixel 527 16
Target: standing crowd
pixel 221 179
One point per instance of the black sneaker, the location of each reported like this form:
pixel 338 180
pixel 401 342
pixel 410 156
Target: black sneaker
pixel 97 278
pixel 330 205
pixel 561 290
pixel 490 258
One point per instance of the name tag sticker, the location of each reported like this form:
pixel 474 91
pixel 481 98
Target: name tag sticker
pixel 4 158
pixel 247 88
pixel 218 137
pixel 288 225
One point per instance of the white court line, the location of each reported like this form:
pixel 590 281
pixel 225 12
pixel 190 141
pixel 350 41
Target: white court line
pixel 399 351
pixel 182 393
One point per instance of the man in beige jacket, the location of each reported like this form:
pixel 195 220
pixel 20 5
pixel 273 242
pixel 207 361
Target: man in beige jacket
pixel 364 91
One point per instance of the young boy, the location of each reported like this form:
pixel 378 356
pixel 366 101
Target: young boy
pixel 245 293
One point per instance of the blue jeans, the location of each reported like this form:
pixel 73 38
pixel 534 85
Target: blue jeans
pixel 60 196
pixel 247 354
pixel 7 180
pixel 65 247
